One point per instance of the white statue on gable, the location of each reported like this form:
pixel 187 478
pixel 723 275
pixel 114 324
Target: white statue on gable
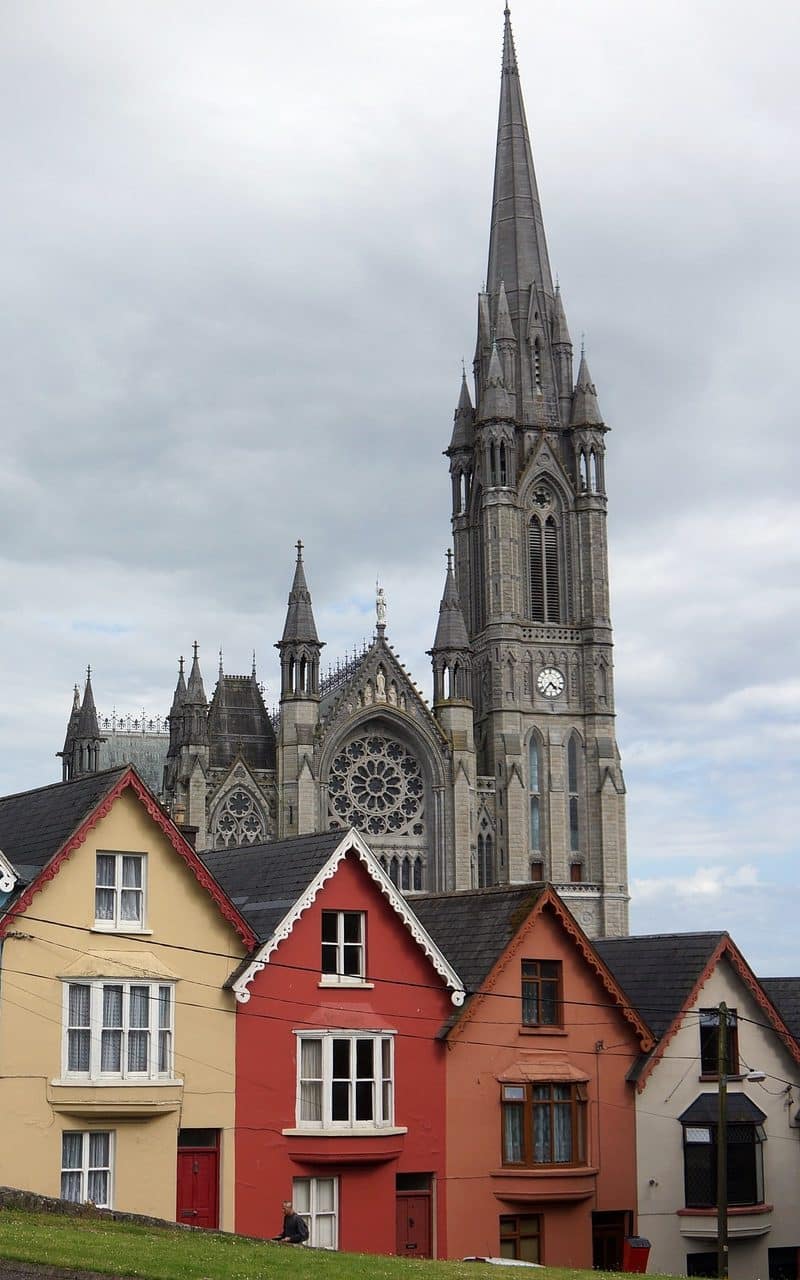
pixel 393 694
pixel 380 604
pixel 367 694
pixel 380 686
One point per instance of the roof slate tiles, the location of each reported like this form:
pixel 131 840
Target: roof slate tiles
pixel 35 824
pixel 785 995
pixel 658 972
pixel 265 880
pixel 473 928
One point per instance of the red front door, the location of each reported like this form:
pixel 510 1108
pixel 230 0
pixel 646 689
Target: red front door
pixel 198 1187
pixel 414 1224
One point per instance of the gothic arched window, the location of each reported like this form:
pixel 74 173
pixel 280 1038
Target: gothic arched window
pixel 544 569
pixel 573 793
pixel 485 861
pixel 534 794
pixel 238 821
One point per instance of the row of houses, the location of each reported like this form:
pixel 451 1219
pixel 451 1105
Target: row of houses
pixel 202 1037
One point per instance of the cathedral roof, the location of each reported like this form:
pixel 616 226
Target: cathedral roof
pixel 300 626
pixel 239 724
pixel 451 631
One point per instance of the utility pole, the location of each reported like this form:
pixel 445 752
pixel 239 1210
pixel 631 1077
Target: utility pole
pixel 722 1142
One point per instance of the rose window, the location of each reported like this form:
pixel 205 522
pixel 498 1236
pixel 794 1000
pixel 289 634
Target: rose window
pixel 376 784
pixel 238 821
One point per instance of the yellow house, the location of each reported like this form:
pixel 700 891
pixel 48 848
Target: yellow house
pixel 117 1037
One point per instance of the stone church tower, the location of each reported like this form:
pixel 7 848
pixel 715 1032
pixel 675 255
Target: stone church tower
pixel 531 556
pixel 513 774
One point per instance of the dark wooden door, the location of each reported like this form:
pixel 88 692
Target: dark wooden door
pixel 414 1224
pixel 198 1188
pixel 608 1237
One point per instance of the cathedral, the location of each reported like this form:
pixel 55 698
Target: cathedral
pixel 513 773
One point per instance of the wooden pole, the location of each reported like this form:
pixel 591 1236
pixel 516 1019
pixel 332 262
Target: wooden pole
pixel 722 1143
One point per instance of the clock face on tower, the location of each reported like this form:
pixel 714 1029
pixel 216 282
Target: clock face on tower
pixel 550 682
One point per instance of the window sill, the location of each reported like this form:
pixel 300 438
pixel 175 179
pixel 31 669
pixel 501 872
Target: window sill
pixel 545 1171
pixel 115 1082
pixel 713 1078
pixel 120 933
pixel 527 1030
pixel 334 980
pixel 347 1131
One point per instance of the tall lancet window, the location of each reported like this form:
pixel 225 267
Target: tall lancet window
pixel 534 794
pixel 544 569
pixel 573 794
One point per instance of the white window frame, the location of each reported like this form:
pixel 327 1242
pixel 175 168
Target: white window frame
pixel 161 1037
pixel 339 978
pixel 85 1168
pixel 313 1214
pixel 383 1086
pixel 116 924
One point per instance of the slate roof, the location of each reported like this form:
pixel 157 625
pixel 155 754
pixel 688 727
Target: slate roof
pixel 35 824
pixel 473 928
pixel 658 972
pixel 239 724
pixel 264 880
pixel 785 995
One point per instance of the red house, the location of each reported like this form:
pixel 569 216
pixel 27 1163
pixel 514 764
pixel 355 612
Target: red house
pixel 541 1125
pixel 340 1071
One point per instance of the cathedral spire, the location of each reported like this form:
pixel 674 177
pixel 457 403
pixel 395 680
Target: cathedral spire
pixel 195 692
pixel 87 722
pixel 299 625
pixel 517 246
pixel 451 631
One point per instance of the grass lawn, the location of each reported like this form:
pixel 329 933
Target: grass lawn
pixel 126 1249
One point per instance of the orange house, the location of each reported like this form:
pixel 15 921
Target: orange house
pixel 541 1123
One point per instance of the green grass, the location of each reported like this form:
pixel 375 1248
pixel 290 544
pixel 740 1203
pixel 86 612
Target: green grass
pixel 152 1253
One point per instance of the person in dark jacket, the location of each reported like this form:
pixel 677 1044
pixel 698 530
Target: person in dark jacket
pixel 295 1230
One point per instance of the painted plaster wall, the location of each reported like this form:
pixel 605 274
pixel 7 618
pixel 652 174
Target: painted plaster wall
pixel 144 1117
pixel 489 1043
pixel 673 1085
pixel 408 997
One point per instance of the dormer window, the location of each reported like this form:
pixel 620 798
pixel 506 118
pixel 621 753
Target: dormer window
pixel 343 949
pixel 119 891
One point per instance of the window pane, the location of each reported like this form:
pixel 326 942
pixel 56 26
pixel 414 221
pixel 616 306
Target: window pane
pixel 138 1050
pixel 341 1059
pixel 79 998
pixel 311 1101
pixel 513 1139
pixel 325 1233
pixel 386 1058
pixel 71 1150
pixel 329 926
pixel 99 1149
pixel 111 1051
pixel 352 960
pixel 364 1100
pixel 536 838
pixel 311 1059
pixel 97 1188
pixel 164 1052
pixel 326 1200
pixel 72 1187
pixel 165 1007
pixel 329 957
pixel 562 1133
pixel 132 873
pixel 104 904
pixel 340 1100
pixel 105 869
pixel 140 1007
pixel 364 1059
pixel 352 926
pixel 533 765
pixel 529 1248
pixel 541 1134
pixel 112 1006
pixel 301 1198
pixel 131 905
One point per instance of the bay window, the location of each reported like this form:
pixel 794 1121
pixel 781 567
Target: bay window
pixel 345 1080
pixel 544 1123
pixel 118 1030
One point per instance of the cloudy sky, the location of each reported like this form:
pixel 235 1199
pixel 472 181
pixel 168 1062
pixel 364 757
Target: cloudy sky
pixel 241 246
